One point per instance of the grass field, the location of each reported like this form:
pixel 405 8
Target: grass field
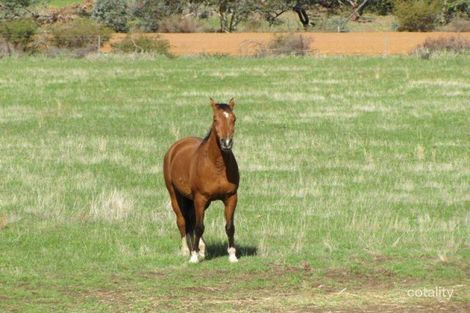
pixel 355 177
pixel 62 3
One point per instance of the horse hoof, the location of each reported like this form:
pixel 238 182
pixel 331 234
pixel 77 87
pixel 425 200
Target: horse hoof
pixel 194 258
pixel 202 256
pixel 232 257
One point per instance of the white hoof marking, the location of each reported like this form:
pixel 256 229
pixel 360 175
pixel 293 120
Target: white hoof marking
pixel 232 258
pixel 194 257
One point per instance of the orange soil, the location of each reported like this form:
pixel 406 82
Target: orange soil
pixel 373 43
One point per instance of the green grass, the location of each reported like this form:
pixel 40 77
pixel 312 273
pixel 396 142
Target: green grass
pixel 62 3
pixel 355 178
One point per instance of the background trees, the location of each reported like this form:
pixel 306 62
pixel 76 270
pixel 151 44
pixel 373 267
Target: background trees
pixel 11 9
pixel 228 15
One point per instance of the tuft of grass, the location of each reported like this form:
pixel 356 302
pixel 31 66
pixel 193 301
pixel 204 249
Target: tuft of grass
pixel 111 206
pixel 282 44
pixel 432 46
pixel 289 44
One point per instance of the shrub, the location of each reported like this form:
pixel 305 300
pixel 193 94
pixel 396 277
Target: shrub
pixel 453 44
pixel 177 24
pixel 142 44
pixel 381 7
pixel 458 25
pixel 253 24
pixel 334 24
pixel 79 33
pixel 417 15
pixel 112 13
pixel 289 44
pixel 19 33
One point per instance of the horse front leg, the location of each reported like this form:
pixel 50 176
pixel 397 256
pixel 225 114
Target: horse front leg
pixel 200 205
pixel 230 205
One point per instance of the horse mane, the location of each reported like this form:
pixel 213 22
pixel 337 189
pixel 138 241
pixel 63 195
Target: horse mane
pixel 208 134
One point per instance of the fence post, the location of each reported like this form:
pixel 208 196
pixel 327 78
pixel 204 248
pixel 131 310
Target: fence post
pixel 386 46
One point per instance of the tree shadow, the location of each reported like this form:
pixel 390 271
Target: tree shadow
pixel 219 249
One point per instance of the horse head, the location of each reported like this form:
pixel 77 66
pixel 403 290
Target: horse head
pixel 224 123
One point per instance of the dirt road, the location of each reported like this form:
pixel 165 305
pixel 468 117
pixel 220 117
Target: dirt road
pixel 376 43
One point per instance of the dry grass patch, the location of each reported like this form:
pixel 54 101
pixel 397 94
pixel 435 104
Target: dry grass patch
pixel 111 207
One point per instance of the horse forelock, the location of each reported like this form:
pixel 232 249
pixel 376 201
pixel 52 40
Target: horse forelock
pixel 224 107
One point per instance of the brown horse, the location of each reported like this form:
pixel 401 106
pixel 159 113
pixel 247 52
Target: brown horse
pixel 198 171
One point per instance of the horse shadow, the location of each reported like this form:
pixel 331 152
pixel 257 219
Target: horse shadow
pixel 219 249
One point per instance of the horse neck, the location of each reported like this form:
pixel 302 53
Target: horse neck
pixel 214 153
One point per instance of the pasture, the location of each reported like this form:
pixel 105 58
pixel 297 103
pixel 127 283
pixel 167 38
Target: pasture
pixel 355 184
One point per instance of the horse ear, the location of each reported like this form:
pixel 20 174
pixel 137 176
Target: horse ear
pixel 213 104
pixel 231 103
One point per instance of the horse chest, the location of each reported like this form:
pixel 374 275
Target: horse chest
pixel 218 184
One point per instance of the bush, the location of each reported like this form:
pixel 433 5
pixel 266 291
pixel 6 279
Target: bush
pixel 417 15
pixel 333 24
pixel 143 44
pixel 458 25
pixel 177 24
pixel 19 33
pixel 79 33
pixel 453 44
pixel 147 14
pixel 253 24
pixel 381 7
pixel 290 44
pixel 112 13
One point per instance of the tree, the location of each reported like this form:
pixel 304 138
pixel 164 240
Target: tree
pixel 11 9
pixel 271 10
pixel 232 12
pixel 112 13
pixel 454 8
pixel 381 7
pixel 417 15
pixel 149 13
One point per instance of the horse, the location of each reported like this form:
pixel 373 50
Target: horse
pixel 198 171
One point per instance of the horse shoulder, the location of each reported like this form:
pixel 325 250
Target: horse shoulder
pixel 178 163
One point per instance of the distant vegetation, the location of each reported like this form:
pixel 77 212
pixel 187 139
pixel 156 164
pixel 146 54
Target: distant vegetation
pixel 28 26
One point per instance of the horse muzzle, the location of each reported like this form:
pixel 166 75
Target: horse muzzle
pixel 226 144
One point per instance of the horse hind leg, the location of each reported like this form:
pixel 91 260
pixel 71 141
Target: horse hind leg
pixel 187 239
pixel 178 204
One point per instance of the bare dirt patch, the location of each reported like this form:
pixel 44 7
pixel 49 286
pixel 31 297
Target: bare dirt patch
pixel 372 43
pixel 278 289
